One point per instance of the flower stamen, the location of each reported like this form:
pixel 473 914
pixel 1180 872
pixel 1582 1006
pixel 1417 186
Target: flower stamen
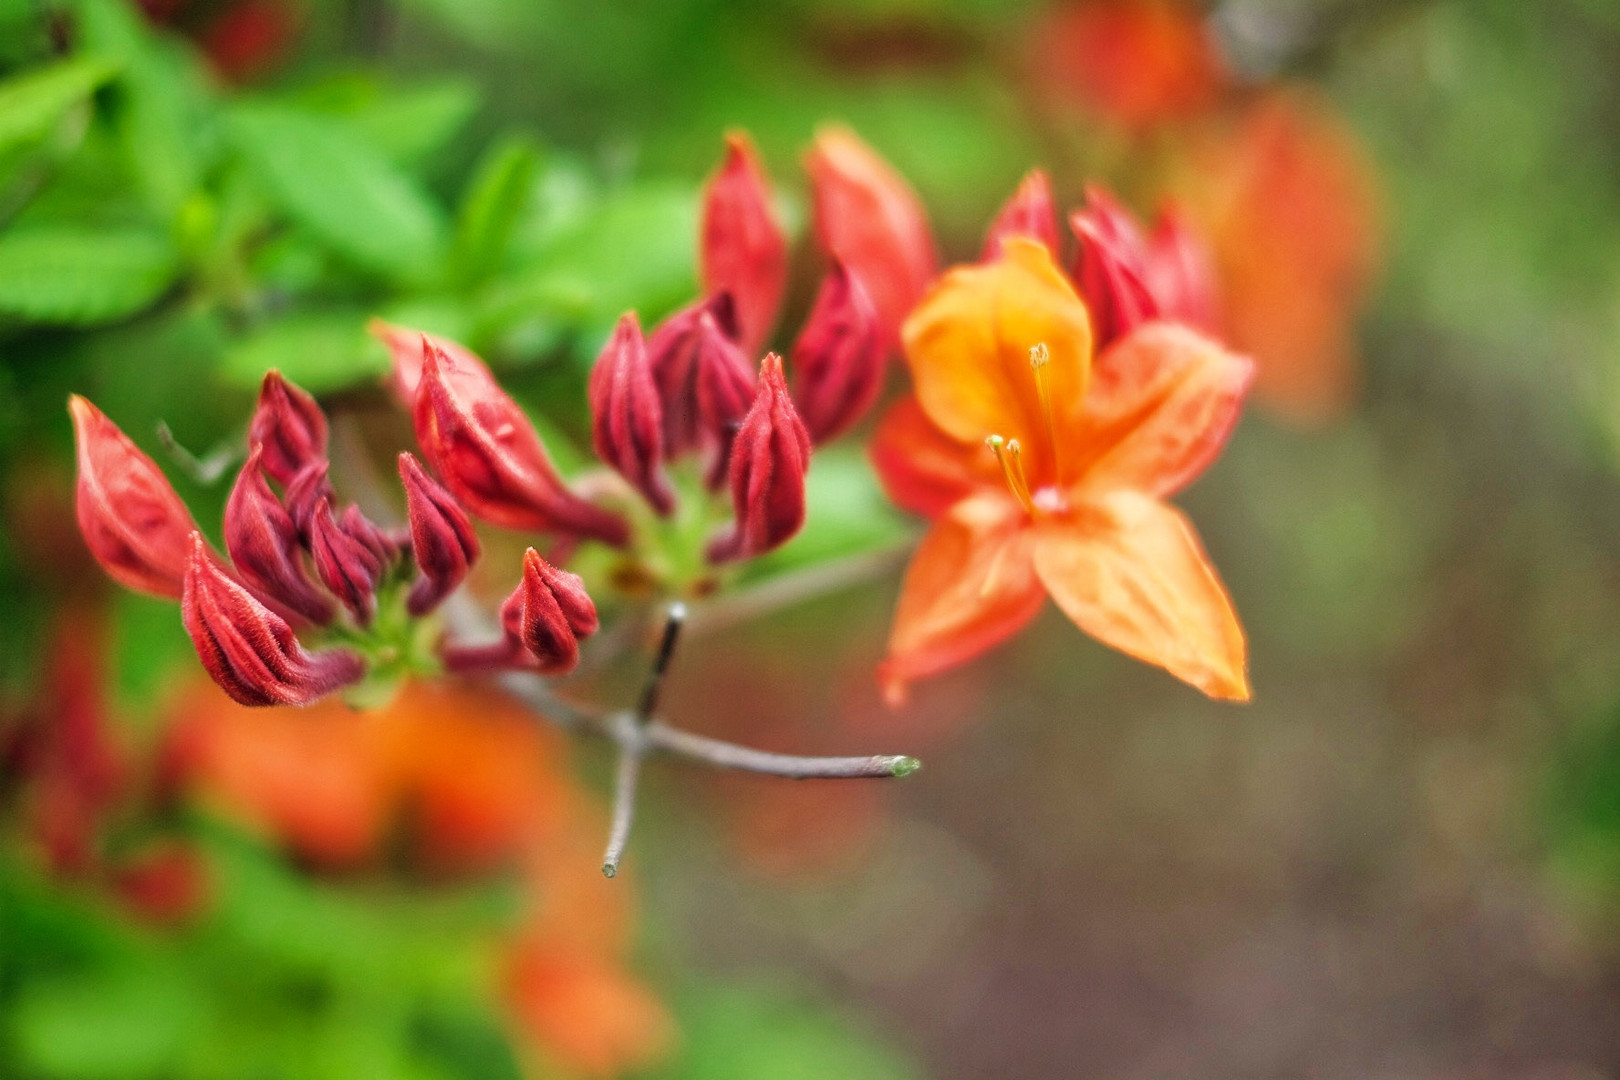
pixel 1039 357
pixel 1009 455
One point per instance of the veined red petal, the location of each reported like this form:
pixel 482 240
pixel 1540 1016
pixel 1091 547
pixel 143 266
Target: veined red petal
pixel 970 586
pixel 1129 571
pixel 249 650
pixel 406 351
pixel 867 217
pixel 838 359
pixel 491 458
pixel 1162 402
pixel 627 419
pixel 1029 212
pixel 742 250
pixel 443 543
pixel 290 426
pixel 133 522
pixel 264 544
pixel 768 464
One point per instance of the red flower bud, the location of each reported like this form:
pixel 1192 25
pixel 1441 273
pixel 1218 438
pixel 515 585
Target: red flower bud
pixel 491 458
pixel 742 250
pixel 346 565
pixel 1112 272
pixel 249 650
pixel 1030 212
pixel 442 538
pixel 768 465
pixel 133 522
pixel 405 350
pixel 557 613
pixel 370 536
pixel 705 383
pixel 868 218
pixel 627 420
pixel 264 543
pixel 838 358
pixel 1181 272
pixel 290 426
pixel 304 493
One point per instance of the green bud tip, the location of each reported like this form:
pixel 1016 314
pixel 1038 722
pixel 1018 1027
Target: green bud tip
pixel 904 766
pixel 609 869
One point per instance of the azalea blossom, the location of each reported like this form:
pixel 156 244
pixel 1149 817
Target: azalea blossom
pixel 1044 470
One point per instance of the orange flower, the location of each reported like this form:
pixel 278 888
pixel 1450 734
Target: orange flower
pixel 1290 202
pixel 1134 63
pixel 1046 475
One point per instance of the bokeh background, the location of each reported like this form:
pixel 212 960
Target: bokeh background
pixel 1401 860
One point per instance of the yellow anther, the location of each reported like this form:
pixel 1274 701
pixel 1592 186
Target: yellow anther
pixel 1009 456
pixel 1039 359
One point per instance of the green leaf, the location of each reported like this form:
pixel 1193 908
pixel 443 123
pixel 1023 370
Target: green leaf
pixel 320 352
pixel 31 103
pixel 345 191
pixel 496 196
pixel 80 276
pixel 635 249
pixel 126 1025
pixel 410 124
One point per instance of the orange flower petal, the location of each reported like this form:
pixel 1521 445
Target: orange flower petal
pixel 970 586
pixel 1162 402
pixel 1129 571
pixel 969 343
pixel 923 469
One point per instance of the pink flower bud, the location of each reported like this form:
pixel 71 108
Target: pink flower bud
pixel 249 650
pixel 557 613
pixel 868 218
pixel 1030 212
pixel 627 420
pixel 289 425
pixel 304 493
pixel 491 458
pixel 1112 272
pixel 133 522
pixel 742 250
pixel 442 538
pixel 768 466
pixel 264 544
pixel 838 358
pixel 1181 272
pixel 705 383
pixel 346 566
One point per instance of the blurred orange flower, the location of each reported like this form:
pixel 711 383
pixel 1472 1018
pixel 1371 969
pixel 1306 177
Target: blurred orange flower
pixel 1065 495
pixel 1290 202
pixel 1134 63
pixel 472 782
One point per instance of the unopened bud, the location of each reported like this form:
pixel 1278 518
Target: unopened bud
pixel 491 458
pixel 838 359
pixel 627 419
pixel 289 425
pixel 557 613
pixel 868 218
pixel 768 466
pixel 1181 272
pixel 346 565
pixel 1112 268
pixel 700 372
pixel 742 250
pixel 442 539
pixel 249 650
pixel 133 522
pixel 1030 212
pixel 264 544
pixel 307 490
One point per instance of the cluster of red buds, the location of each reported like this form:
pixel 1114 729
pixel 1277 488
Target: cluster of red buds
pixel 301 562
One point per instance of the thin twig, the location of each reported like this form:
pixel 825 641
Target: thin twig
pixel 724 755
pixel 205 470
pixel 624 805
